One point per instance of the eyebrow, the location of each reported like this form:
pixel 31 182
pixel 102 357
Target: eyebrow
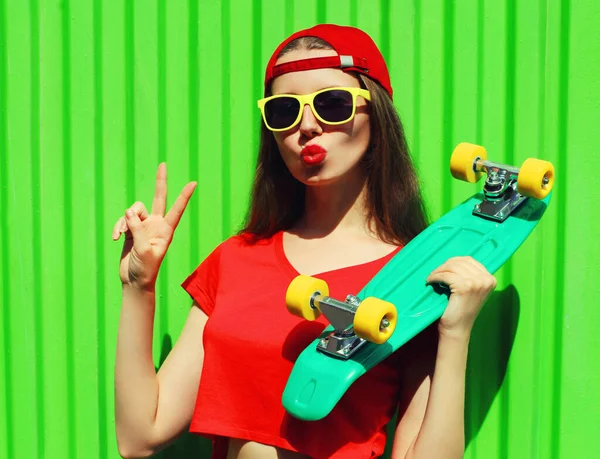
pixel 321 89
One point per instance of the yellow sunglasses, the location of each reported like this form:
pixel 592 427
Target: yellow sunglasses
pixel 330 106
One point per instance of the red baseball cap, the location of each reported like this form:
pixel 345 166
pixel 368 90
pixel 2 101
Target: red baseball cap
pixel 357 52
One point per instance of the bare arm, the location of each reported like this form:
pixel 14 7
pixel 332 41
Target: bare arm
pixel 432 412
pixel 432 409
pixel 151 409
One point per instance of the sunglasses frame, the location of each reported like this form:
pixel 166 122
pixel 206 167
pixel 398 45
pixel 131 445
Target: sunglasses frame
pixel 307 99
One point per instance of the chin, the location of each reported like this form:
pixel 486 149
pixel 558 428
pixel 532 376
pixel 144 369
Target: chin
pixel 318 176
pixel 326 173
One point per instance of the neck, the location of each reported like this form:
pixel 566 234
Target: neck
pixel 334 208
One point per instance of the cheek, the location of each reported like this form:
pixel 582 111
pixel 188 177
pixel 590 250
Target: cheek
pixel 292 160
pixel 359 137
pixel 285 144
pixel 365 132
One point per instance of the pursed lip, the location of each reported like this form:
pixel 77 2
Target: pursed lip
pixel 313 149
pixel 313 154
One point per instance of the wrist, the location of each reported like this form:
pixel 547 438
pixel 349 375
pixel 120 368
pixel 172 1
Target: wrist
pixel 135 289
pixel 461 334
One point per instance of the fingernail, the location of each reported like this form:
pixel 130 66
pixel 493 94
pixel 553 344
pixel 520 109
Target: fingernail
pixel 129 213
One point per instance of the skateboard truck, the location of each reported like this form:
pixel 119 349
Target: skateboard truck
pixel 501 196
pixel 506 187
pixel 354 321
pixel 342 342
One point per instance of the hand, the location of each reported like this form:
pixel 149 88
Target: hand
pixel 148 236
pixel 470 284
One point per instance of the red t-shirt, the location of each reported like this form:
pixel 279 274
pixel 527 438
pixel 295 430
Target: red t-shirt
pixel 251 343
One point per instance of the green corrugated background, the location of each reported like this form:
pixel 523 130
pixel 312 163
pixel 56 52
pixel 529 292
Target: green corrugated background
pixel 94 94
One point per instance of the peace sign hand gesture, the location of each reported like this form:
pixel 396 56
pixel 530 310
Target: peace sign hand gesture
pixel 148 236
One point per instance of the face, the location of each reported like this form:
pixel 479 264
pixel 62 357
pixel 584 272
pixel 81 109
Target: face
pixel 302 147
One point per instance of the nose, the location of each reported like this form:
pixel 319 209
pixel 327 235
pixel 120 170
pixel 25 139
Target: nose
pixel 309 124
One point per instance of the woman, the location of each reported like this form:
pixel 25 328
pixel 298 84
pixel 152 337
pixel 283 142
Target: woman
pixel 335 196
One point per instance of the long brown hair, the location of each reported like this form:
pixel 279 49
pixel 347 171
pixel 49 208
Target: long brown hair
pixel 393 198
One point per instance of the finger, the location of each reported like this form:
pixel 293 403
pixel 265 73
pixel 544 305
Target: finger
pixel 136 229
pixel 116 232
pixel 444 267
pixel 465 266
pixel 140 210
pixel 121 227
pixel 446 277
pixel 174 215
pixel 469 268
pixel 477 265
pixel 159 204
pixel 465 277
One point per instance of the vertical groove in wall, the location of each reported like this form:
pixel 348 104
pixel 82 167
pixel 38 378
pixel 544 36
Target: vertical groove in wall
pixel 480 47
pixel 384 25
pixel 68 223
pixel 537 343
pixel 5 240
pixel 162 79
pixel 417 80
pixel 353 13
pixel 257 73
pixel 226 124
pixel 563 101
pixel 540 249
pixel 36 200
pixel 193 119
pixel 288 17
pixel 476 415
pixel 448 103
pixel 510 79
pixel 129 102
pixel 100 230
pixel 162 151
pixel 321 11
pixel 509 143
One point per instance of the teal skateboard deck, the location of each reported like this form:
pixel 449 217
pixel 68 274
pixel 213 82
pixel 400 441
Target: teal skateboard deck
pixel 318 380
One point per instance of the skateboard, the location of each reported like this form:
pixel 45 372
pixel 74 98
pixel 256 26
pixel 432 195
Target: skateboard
pixel 397 304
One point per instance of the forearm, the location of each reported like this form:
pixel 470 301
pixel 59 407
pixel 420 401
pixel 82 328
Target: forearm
pixel 442 431
pixel 136 382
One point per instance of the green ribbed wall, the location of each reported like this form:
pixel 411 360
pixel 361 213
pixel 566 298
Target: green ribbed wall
pixel 94 94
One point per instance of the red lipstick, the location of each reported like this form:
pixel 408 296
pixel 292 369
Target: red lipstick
pixel 313 155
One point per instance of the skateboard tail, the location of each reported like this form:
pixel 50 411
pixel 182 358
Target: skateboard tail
pixel 309 396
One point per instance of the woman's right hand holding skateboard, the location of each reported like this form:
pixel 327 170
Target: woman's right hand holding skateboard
pixel 148 236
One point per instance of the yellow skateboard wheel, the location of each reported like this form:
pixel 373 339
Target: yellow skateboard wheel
pixel 536 178
pixel 299 294
pixel 375 320
pixel 461 161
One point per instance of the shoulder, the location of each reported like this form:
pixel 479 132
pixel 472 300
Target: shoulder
pixel 421 349
pixel 242 246
pixel 246 241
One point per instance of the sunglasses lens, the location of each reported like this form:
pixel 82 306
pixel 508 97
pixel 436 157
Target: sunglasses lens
pixel 281 112
pixel 334 106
